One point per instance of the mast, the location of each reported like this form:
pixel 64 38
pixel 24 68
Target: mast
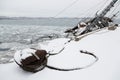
pixel 99 21
pixel 98 18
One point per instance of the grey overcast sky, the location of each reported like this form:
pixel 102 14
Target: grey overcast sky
pixel 49 8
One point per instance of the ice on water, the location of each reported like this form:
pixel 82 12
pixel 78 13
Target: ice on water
pixel 17 37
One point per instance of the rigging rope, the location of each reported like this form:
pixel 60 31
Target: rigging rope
pixel 66 8
pixel 104 5
pixel 116 7
pixel 88 12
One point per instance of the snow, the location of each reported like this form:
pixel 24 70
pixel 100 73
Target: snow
pixel 22 54
pixel 104 44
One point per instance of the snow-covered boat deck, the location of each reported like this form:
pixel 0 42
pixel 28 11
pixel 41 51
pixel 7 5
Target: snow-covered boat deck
pixel 104 44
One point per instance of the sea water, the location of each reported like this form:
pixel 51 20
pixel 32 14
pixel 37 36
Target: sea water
pixel 16 34
pixel 20 33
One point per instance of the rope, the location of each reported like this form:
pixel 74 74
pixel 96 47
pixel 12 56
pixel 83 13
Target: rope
pixel 66 8
pixel 78 68
pixel 116 7
pixel 49 54
pixel 104 5
pixel 87 11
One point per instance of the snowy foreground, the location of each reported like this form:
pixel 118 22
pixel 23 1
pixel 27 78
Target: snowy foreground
pixel 104 44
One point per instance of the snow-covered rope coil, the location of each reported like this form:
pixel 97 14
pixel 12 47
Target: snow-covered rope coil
pixel 78 68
